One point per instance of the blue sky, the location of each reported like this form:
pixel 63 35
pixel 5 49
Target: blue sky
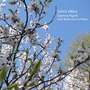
pixel 69 30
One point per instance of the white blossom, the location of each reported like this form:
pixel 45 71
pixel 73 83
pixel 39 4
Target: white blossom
pixel 33 6
pixel 34 38
pixel 3 1
pixel 45 26
pixel 33 22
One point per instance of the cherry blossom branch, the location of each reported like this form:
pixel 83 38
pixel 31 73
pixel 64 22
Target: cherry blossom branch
pixel 63 74
pixel 21 36
pixel 53 16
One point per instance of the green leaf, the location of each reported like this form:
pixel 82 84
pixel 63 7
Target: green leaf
pixel 37 11
pixel 10 87
pixel 11 11
pixel 36 67
pixel 18 20
pixel 12 3
pixel 40 2
pixel 48 1
pixel 49 88
pixel 29 60
pixel 31 84
pixel 4 15
pixel 30 70
pixel 15 11
pixel 22 24
pixel 35 55
pixel 3 73
pixel 27 51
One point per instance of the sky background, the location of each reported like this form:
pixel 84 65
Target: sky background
pixel 69 30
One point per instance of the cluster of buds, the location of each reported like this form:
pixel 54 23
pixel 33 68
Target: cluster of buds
pixel 14 18
pixel 34 7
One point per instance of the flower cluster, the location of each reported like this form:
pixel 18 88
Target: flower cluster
pixel 34 7
pixel 2 5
